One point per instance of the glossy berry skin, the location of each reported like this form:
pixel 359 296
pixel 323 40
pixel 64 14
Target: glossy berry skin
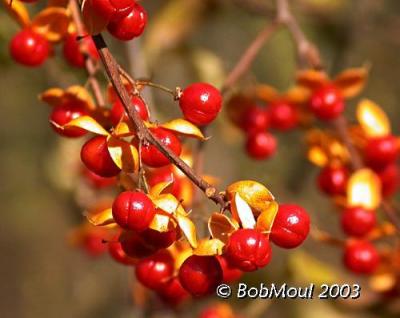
pixel 154 271
pixel 332 180
pixel 134 245
pixel 390 177
pixel 117 110
pixel 62 115
pixel 112 10
pixel 133 211
pixel 261 145
pixel 381 151
pixel 72 50
pixel 200 103
pixel 152 157
pixel 130 26
pixel 255 119
pixel 160 240
pixel 248 250
pixel 166 174
pixel 172 292
pixel 118 254
pixel 291 226
pixel 29 48
pixel 97 181
pixel 200 275
pixel 283 115
pixel 95 156
pixel 361 257
pixel 358 221
pixel 327 102
pixel 229 273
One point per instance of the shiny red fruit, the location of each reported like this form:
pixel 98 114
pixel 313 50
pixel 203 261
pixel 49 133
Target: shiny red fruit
pixel 118 254
pixel 200 103
pixel 381 151
pixel 166 174
pixel 390 177
pixel 255 119
pixel 62 115
pixel 173 293
pixel 130 26
pixel 327 102
pixel 358 221
pixel 200 275
pixel 248 250
pixel 72 50
pixel 261 145
pixel 160 240
pixel 111 10
pixel 93 243
pixel 97 181
pixel 152 157
pixel 95 156
pixel 117 110
pixel 332 180
pixel 361 257
pixel 154 271
pixel 29 48
pixel 283 115
pixel 229 273
pixel 291 226
pixel 134 245
pixel 133 211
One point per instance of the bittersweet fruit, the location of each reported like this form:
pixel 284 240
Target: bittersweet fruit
pixel 117 110
pixel 200 275
pixel 200 103
pixel 381 151
pixel 332 180
pixel 283 115
pixel 291 226
pixel 62 115
pixel 72 50
pixel 118 254
pixel 133 244
pixel 248 250
pixel 327 102
pixel 133 211
pixel 172 292
pixel 361 257
pixel 358 221
pixel 229 273
pixel 261 145
pixel 255 119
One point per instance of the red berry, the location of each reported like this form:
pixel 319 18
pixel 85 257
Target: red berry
pixel 117 110
pixel 133 211
pixel 261 145
pixel 200 275
pixel 200 103
pixel 154 271
pixel 62 115
pixel 159 240
pixel 95 156
pixel 291 226
pixel 134 245
pixel 332 180
pixel 327 102
pixel 97 181
pixel 94 244
pixel 283 115
pixel 72 50
pixel 381 151
pixel 255 119
pixel 361 257
pixel 118 254
pixel 29 48
pixel 152 157
pixel 173 293
pixel 358 221
pixel 166 174
pixel 111 9
pixel 390 177
pixel 248 250
pixel 130 26
pixel 229 273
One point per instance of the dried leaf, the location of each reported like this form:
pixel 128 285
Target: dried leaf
pixel 52 96
pixel 185 128
pixel 124 129
pixel 209 247
pixel 221 227
pixel 297 95
pixel 160 223
pixel 311 79
pixel 18 11
pixel 169 204
pixel 242 212
pixel 52 23
pixel 79 94
pixel 188 229
pixel 160 187
pixel 100 218
pixel 124 154
pixel 266 218
pixel 373 119
pixel 89 124
pixel 351 81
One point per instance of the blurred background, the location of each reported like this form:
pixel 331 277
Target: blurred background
pixel 186 41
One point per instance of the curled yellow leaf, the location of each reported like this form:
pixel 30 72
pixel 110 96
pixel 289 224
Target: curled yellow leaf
pixel 79 94
pixel 351 81
pixel 161 223
pixel 311 79
pixel 18 12
pixel 209 247
pixel 364 189
pixel 169 204
pixel 242 212
pixel 184 127
pixel 52 96
pixel 52 23
pixel 266 219
pixel 266 93
pixel 124 154
pixel 157 189
pixel 123 129
pixel 101 218
pixel 87 123
pixel 188 229
pixel 373 119
pixel 221 227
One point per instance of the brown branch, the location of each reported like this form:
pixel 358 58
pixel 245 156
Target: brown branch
pixel 90 64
